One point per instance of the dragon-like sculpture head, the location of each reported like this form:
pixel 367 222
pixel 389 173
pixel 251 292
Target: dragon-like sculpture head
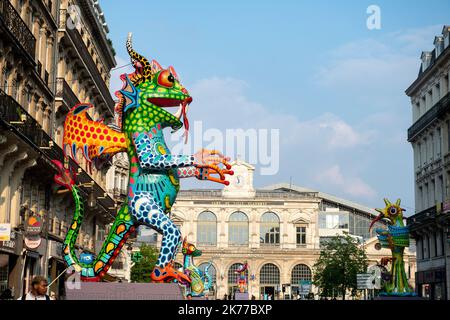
pixel 189 249
pixel 154 86
pixel 392 212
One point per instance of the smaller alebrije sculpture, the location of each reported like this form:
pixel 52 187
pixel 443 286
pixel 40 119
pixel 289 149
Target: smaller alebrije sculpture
pixel 396 238
pixel 201 282
pixel 242 279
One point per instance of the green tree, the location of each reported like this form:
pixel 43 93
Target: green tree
pixel 143 266
pixel 341 259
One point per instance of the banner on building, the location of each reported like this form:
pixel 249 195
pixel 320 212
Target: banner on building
pixel 305 286
pixel 33 242
pixel 5 232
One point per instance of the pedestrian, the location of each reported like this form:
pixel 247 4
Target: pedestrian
pixel 225 297
pixel 38 291
pixel 253 297
pixel 298 296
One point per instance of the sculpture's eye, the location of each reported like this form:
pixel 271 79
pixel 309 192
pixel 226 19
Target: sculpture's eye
pixel 166 79
pixel 393 210
pixel 192 248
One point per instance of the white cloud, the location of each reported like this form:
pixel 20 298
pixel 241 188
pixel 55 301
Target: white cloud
pixel 352 186
pixel 377 69
pixel 307 146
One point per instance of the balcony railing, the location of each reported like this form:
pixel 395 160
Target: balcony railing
pixel 86 57
pixel 438 110
pixel 64 92
pixel 11 20
pixel 260 194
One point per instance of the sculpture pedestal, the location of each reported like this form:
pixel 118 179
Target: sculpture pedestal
pixel 398 298
pixel 123 291
pixel 241 296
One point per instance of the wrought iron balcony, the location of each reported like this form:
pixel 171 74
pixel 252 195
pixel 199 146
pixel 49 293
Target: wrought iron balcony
pixel 64 92
pixel 11 21
pixel 437 111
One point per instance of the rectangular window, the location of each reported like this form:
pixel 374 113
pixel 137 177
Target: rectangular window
pixel 419 155
pixel 433 192
pixel 439 143
pixel 431 149
pixel 435 244
pixel 301 236
pixel 338 220
pixel 425 154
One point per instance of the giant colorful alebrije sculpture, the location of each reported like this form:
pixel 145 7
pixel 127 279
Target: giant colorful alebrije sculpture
pixel 201 281
pixel 154 174
pixel 396 238
pixel 242 278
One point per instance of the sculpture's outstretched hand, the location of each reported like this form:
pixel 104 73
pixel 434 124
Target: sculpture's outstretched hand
pixel 213 166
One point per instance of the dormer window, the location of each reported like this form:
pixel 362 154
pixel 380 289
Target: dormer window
pixel 439 45
pixel 446 36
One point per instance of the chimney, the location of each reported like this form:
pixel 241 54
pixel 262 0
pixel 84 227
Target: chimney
pixel 426 59
pixel 439 45
pixel 445 34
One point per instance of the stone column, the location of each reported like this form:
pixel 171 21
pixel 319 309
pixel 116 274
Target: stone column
pixel 49 54
pixel 16 189
pixel 5 188
pixel 46 121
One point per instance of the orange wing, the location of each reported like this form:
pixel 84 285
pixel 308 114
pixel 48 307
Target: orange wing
pixel 95 139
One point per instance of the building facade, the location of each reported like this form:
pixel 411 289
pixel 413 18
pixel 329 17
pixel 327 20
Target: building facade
pixel 54 54
pixel 278 230
pixel 429 136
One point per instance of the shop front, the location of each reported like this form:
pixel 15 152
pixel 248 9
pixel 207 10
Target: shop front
pixel 10 252
pixel 56 270
pixel 431 284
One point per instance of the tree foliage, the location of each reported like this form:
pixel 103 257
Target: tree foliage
pixel 341 259
pixel 141 270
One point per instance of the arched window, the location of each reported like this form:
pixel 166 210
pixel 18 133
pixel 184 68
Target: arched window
pixel 207 229
pixel 232 275
pixel 238 229
pixel 270 229
pixel 211 270
pixel 269 275
pixel 301 275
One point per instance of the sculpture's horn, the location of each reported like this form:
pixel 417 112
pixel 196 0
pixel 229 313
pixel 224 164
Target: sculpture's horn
pixel 136 57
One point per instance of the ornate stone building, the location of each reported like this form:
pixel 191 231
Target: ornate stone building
pixel 54 54
pixel 429 136
pixel 278 230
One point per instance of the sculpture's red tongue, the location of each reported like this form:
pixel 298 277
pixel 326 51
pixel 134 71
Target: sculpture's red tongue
pixel 185 122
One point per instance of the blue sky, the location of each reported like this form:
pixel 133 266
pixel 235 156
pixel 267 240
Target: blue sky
pixel 312 69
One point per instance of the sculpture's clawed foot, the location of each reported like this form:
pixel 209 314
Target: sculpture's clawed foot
pixel 168 273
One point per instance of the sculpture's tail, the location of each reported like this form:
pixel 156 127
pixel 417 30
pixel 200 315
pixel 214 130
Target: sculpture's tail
pixel 121 229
